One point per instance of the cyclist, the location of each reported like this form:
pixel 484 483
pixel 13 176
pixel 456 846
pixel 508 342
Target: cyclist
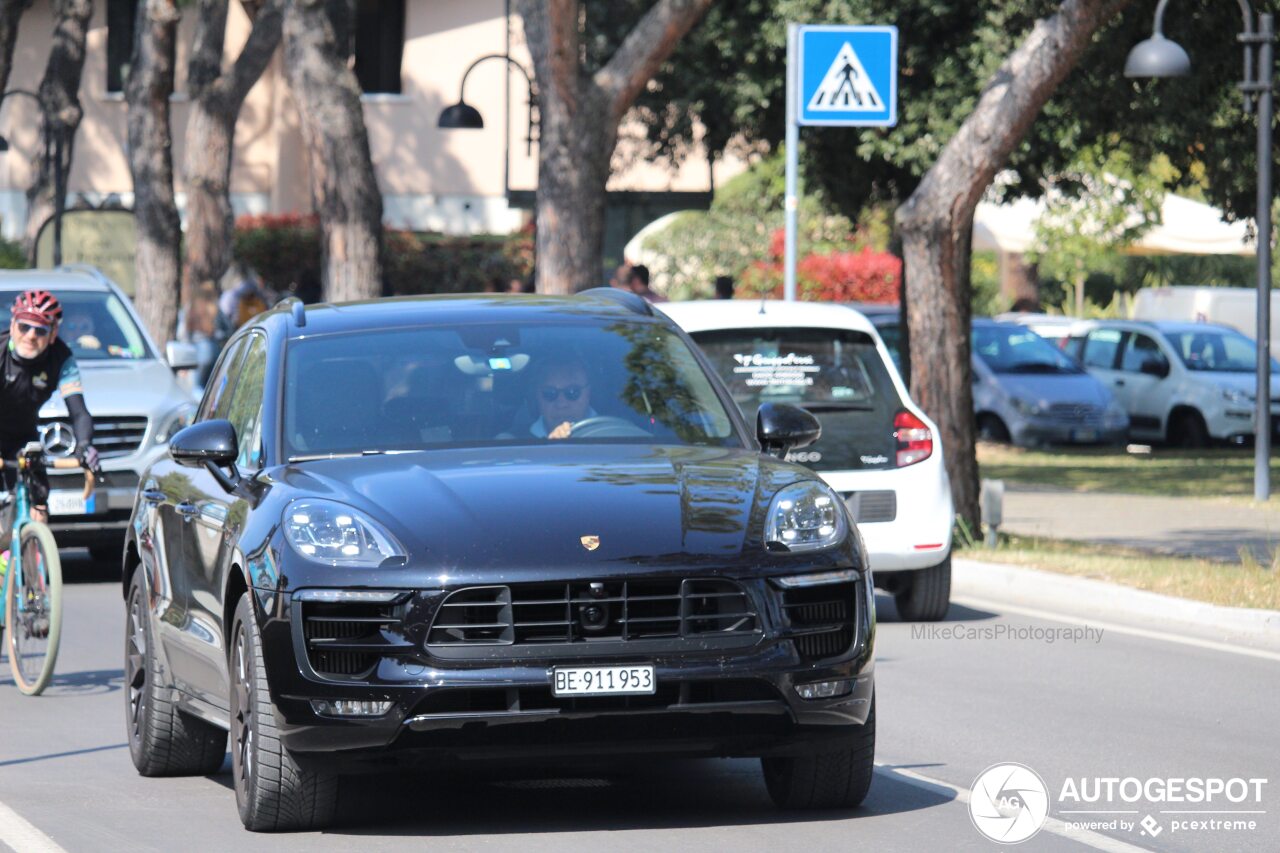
pixel 34 364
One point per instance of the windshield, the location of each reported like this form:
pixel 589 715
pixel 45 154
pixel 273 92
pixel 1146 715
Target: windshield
pixel 1015 349
pixel 412 389
pixel 1216 350
pixel 835 373
pixel 95 324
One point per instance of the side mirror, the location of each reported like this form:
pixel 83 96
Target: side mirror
pixel 211 445
pixel 781 428
pixel 181 355
pixel 1155 367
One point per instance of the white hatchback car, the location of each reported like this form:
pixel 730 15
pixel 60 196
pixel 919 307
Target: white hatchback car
pixel 878 449
pixel 1184 383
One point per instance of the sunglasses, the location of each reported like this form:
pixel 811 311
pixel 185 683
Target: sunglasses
pixel 570 392
pixel 27 329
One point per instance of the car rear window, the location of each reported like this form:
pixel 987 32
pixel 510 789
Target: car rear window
pixel 838 374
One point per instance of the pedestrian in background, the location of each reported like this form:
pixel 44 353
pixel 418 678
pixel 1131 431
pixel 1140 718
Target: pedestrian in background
pixel 724 287
pixel 639 282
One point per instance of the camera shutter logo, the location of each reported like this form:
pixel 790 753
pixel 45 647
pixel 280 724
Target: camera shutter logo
pixel 1009 803
pixel 58 440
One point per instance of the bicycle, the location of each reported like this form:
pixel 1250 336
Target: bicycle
pixel 33 578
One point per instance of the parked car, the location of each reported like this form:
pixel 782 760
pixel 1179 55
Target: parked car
pixel 1184 383
pixel 1027 391
pixel 131 392
pixel 878 450
pixel 435 529
pixel 1054 328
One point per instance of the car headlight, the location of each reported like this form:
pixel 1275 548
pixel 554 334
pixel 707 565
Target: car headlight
pixel 174 421
pixel 1240 398
pixel 338 534
pixel 805 516
pixel 1025 408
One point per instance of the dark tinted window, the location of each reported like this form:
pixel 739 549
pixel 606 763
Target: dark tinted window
pixel 120 25
pixel 216 400
pixel 379 45
pixel 1015 349
pixel 245 407
pixel 835 373
pixel 411 389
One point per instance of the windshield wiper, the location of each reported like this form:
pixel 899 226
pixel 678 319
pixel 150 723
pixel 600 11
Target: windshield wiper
pixel 837 406
pixel 353 455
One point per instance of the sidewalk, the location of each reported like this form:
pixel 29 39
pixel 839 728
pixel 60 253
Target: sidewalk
pixel 1184 527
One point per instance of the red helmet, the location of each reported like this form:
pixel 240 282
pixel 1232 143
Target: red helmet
pixel 38 306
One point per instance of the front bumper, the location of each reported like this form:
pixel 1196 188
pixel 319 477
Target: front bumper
pixel 712 698
pixel 1033 431
pixel 109 514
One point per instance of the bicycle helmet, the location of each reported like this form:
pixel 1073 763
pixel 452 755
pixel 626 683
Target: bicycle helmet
pixel 38 306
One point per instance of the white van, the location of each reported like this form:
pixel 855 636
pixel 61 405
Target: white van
pixel 1236 307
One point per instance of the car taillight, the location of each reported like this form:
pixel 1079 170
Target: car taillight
pixel 915 440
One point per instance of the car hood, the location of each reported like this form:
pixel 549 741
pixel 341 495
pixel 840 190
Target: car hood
pixel 1245 381
pixel 529 508
pixel 1055 388
pixel 140 388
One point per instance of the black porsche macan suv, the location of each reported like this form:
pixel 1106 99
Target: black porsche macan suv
pixel 436 529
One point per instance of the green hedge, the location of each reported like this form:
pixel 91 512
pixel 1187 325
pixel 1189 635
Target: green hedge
pixel 285 250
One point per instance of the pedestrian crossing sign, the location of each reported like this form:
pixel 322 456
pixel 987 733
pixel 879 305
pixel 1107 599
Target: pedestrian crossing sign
pixel 848 76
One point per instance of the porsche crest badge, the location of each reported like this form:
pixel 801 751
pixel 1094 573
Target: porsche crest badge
pixel 590 542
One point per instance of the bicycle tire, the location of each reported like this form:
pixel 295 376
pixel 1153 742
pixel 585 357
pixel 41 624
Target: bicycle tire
pixel 30 676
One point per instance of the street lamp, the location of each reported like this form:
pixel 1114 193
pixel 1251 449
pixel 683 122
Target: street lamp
pixel 53 142
pixel 1160 57
pixel 466 117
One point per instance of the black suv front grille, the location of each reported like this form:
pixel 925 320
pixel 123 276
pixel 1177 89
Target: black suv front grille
pixel 821 619
pixel 346 639
pixel 585 611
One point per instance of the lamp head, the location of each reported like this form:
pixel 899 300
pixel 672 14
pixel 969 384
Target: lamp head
pixel 461 115
pixel 1157 57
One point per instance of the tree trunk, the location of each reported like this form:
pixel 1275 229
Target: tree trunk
pixel 344 188
pixel 579 128
pixel 215 107
pixel 937 221
pixel 60 95
pixel 10 15
pixel 151 162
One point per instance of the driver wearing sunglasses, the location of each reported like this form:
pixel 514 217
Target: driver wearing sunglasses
pixel 34 364
pixel 563 396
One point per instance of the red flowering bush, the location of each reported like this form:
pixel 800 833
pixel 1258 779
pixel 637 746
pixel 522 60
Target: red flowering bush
pixel 865 276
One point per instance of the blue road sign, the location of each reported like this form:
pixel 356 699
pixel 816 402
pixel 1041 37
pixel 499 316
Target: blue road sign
pixel 848 76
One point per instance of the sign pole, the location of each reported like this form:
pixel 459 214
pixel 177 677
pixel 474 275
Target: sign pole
pixel 791 203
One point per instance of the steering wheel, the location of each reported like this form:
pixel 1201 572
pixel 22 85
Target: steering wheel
pixel 606 426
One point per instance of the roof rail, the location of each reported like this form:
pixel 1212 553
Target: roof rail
pixel 631 301
pixel 296 309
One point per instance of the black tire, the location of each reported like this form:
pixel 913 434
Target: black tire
pixel 991 428
pixel 273 793
pixel 163 741
pixel 924 595
pixel 838 779
pixel 1187 429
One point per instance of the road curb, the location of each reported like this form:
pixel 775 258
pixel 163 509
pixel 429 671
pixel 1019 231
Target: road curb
pixel 1086 597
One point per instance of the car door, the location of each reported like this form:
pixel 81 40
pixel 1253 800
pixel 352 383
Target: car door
pixel 172 489
pixel 1144 369
pixel 216 517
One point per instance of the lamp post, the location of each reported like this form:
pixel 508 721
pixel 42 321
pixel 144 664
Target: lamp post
pixel 53 142
pixel 1160 57
pixel 464 116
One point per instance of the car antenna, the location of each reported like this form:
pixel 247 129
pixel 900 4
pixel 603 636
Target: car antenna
pixel 763 297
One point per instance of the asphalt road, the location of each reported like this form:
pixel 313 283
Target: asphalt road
pixel 949 707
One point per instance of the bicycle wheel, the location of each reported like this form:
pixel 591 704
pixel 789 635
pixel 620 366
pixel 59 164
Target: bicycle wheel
pixel 33 610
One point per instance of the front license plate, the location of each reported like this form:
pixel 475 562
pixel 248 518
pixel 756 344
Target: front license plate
pixel 67 502
pixel 602 680
pixel 1085 435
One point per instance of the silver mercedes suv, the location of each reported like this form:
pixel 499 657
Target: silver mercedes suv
pixel 136 401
